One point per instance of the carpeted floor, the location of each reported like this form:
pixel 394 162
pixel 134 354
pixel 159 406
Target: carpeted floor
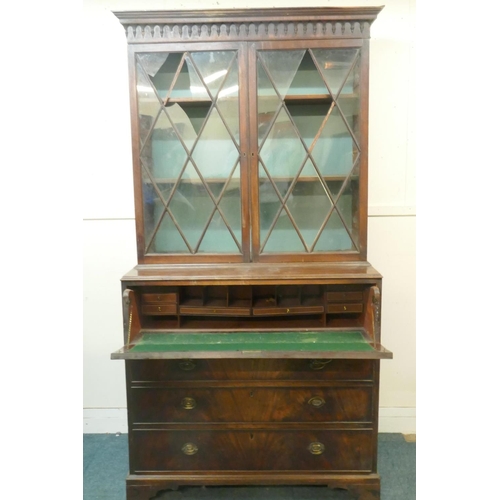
pixel 105 468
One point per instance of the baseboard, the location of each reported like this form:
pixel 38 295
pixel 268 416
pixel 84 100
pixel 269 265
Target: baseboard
pixel 114 420
pixel 401 420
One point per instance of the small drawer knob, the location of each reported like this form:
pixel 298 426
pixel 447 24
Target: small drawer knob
pixel 189 449
pixel 316 448
pixel 187 365
pixel 317 402
pixel 188 403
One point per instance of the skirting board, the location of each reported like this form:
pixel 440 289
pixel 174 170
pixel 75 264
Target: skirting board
pixel 114 420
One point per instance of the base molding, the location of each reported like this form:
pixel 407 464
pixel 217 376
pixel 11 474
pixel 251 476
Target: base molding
pixel 146 487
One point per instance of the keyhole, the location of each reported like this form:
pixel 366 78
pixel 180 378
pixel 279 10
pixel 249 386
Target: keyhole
pixel 251 436
pixel 251 394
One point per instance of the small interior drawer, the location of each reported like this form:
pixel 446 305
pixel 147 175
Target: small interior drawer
pixel 154 298
pixel 344 308
pixel 159 309
pixel 344 296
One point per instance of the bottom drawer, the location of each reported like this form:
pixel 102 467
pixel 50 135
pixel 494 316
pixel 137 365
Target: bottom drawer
pixel 345 450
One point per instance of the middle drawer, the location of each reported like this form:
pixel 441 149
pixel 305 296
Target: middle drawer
pixel 251 404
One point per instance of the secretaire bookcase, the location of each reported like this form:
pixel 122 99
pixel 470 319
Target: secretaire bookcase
pixel 252 320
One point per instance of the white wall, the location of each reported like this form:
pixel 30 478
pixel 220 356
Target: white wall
pixel 109 230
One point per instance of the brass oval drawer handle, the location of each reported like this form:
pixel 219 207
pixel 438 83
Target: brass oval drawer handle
pixel 319 364
pixel 187 365
pixel 317 402
pixel 189 449
pixel 188 403
pixel 316 448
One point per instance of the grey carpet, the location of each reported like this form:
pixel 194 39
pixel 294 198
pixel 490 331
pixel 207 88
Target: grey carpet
pixel 105 466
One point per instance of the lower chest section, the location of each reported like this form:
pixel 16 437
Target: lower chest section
pixel 252 415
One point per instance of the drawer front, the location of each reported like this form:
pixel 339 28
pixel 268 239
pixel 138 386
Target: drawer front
pixel 251 404
pixel 153 298
pixel 344 296
pixel 279 311
pixel 159 309
pixel 219 311
pixel 345 450
pixel 345 308
pixel 251 369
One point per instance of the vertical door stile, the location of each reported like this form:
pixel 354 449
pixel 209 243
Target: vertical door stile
pixel 253 159
pixel 363 174
pixel 245 166
pixel 136 147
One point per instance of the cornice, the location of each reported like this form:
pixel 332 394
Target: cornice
pixel 250 24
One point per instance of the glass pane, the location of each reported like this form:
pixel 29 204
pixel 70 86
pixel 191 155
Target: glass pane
pixel 309 205
pixel 283 152
pixel 268 101
pixel 162 77
pixel 218 238
pixel 284 237
pixel 168 239
pixel 152 206
pixel 228 101
pixel 148 103
pixel 347 207
pixel 213 67
pixel 215 153
pixel 191 206
pixel 335 65
pixel 282 66
pixel 308 118
pixel 307 80
pixel 188 119
pixel 230 205
pixel 164 151
pixel 348 99
pixel 334 236
pixel 335 147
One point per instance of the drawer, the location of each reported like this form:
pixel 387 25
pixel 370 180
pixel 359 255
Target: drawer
pixel 251 404
pixel 153 298
pixel 342 451
pixel 159 309
pixel 277 311
pixel 344 296
pixel 250 369
pixel 219 311
pixel 344 308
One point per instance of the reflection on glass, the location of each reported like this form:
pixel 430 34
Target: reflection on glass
pixel 213 67
pixel 335 65
pixel 282 66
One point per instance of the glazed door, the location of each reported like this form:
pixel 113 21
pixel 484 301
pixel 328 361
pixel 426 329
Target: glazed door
pixel 189 152
pixel 309 151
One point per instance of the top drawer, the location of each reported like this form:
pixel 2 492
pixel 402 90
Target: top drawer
pixel 159 298
pixel 250 369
